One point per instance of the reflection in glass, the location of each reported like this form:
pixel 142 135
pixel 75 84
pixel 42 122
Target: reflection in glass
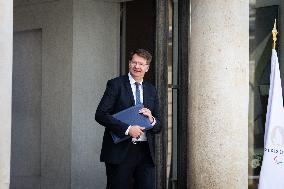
pixel 172 94
pixel 262 15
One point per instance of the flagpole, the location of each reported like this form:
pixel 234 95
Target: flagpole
pixel 274 33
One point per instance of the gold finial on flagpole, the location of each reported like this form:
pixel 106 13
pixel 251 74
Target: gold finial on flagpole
pixel 274 33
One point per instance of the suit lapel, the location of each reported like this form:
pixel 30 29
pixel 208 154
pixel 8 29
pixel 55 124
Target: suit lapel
pixel 145 94
pixel 128 89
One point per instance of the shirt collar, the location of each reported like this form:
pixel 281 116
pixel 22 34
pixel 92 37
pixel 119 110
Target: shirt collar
pixel 132 81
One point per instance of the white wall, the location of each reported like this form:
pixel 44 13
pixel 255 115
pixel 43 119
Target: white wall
pixel 54 19
pixel 95 60
pixel 80 52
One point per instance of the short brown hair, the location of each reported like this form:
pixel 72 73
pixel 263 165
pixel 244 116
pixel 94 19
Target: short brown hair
pixel 142 53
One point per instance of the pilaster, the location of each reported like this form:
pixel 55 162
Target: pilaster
pixel 6 41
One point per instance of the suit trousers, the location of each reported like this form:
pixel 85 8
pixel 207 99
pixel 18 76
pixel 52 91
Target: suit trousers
pixel 137 171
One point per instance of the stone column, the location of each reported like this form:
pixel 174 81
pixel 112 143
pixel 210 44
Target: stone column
pixel 6 41
pixel 218 94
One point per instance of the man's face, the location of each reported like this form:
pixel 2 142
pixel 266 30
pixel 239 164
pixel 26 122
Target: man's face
pixel 138 67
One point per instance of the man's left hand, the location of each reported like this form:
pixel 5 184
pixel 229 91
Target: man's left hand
pixel 148 113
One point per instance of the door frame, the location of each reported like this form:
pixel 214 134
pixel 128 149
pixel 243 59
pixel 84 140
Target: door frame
pixel 161 72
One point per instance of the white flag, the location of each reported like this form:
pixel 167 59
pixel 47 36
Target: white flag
pixel 272 169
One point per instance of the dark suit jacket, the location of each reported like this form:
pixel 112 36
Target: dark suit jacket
pixel 117 97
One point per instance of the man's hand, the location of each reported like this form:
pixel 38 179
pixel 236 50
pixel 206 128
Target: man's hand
pixel 135 131
pixel 148 113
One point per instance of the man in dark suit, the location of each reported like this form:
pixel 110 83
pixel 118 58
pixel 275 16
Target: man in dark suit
pixel 129 163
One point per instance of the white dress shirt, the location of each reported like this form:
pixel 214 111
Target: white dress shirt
pixel 133 87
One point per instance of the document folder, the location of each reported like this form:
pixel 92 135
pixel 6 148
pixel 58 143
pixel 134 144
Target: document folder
pixel 131 116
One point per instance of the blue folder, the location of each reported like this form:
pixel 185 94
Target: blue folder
pixel 131 116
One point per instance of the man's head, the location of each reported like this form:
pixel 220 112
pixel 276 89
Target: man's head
pixel 142 53
pixel 139 63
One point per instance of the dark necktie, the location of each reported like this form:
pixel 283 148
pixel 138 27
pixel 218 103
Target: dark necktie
pixel 137 93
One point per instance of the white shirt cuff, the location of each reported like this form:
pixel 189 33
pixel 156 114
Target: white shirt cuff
pixel 154 122
pixel 127 131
